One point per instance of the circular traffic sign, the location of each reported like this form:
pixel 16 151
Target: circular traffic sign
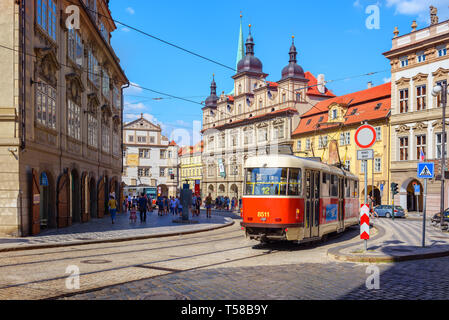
pixel 365 136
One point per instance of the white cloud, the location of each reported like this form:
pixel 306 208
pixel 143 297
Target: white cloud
pixel 357 4
pixel 125 29
pixel 130 10
pixel 416 7
pixel 386 80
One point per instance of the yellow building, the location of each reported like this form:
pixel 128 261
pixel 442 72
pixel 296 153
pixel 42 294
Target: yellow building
pixel 327 132
pixel 191 167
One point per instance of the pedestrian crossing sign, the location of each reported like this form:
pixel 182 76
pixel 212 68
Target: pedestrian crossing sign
pixel 426 170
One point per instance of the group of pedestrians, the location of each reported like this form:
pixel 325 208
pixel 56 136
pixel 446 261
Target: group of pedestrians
pixel 225 203
pixel 168 205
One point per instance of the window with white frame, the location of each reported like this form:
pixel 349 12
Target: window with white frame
pixel 75 49
pixel 421 97
pixel 298 145
pixel 377 165
pixel 105 84
pixel 348 165
pixel 403 148
pixel 248 136
pixel 262 134
pixel 307 144
pixel 162 172
pixel 441 50
pixel 105 139
pixel 439 146
pixel 403 100
pixel 73 120
pixel 334 114
pixel 348 138
pixel 92 131
pixel 342 139
pixel 322 142
pixel 278 131
pixel 421 56
pixel 421 144
pixel 115 143
pixel 46 16
pixel 378 131
pixel 45 105
pixel 141 139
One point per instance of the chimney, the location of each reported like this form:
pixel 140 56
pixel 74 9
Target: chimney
pixel 321 84
pixel 370 84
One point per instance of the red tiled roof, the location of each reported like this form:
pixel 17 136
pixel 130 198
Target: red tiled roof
pixel 362 108
pixel 313 88
pixel 172 144
pixel 191 149
pixel 272 84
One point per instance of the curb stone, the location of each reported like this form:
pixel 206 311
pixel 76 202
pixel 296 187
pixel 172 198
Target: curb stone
pixel 122 239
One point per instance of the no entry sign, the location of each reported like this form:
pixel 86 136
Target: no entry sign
pixel 365 136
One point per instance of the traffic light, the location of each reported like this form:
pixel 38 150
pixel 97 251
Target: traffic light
pixel 394 188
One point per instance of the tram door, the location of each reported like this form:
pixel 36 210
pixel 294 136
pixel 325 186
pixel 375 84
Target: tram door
pixel 312 212
pixel 341 203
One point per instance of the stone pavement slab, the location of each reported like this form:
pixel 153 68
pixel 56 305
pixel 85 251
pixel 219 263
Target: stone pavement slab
pixel 102 230
pixel 397 240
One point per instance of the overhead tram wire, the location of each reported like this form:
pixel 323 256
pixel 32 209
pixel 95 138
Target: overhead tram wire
pixel 157 38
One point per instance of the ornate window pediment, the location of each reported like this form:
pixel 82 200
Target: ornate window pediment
pixel 75 87
pixel 441 72
pixel 420 77
pixel 92 103
pixel 278 122
pixel 403 82
pixel 262 125
pixel 106 114
pixel 403 129
pixel 47 65
pixel 420 126
pixel 439 124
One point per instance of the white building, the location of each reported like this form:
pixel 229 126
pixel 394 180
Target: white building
pixel 150 159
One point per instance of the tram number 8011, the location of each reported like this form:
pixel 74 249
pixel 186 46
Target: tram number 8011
pixel 263 214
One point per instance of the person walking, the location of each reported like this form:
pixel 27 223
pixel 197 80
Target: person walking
pixel 172 205
pixel 143 208
pixel 198 205
pixel 233 204
pixel 112 204
pixel 208 205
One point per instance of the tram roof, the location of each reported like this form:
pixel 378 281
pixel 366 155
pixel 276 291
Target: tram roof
pixel 290 161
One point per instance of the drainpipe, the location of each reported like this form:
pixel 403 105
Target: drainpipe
pixel 23 65
pixel 121 129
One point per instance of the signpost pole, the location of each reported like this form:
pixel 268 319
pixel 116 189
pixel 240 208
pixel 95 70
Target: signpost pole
pixel 424 215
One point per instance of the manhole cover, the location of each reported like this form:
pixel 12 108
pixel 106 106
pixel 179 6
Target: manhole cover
pixel 96 261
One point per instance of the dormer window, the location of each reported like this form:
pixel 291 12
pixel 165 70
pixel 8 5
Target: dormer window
pixel 334 114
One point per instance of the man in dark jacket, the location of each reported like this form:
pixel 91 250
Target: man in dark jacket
pixel 143 208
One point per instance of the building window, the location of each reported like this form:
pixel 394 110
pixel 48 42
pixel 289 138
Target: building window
pixel 403 100
pixel 322 142
pixel 421 56
pixel 404 61
pixel 307 144
pixel 278 132
pixel 298 145
pixel 348 138
pixel 75 50
pixel 211 170
pixel 441 50
pixel 420 145
pixel 45 105
pixel 248 137
pixel 162 172
pixel 439 145
pixel 94 69
pixel 106 84
pixel 298 97
pixel 234 169
pixel 143 172
pixel 348 165
pixel 403 148
pixel 284 97
pixel 334 114
pixel 46 16
pixel 73 120
pixel 342 139
pixel 92 131
pixel 105 139
pixel 377 165
pixel 378 133
pixel 222 141
pixel 263 135
pixel 144 153
pixel 152 139
pixel 104 32
pixel 163 154
pixel 141 139
pixel 130 138
pixel 115 143
pixel 421 97
pixel 117 100
pixel 234 140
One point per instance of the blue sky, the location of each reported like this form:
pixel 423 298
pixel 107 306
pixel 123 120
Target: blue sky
pixel 330 36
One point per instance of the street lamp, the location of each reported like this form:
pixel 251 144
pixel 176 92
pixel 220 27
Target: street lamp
pixel 436 91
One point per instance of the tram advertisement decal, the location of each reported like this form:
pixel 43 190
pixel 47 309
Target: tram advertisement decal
pixel 331 212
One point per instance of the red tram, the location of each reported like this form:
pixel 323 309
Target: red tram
pixel 297 199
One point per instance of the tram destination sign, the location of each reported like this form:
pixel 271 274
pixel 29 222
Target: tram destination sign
pixel 366 154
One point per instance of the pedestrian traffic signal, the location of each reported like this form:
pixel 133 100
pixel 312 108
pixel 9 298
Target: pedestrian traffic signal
pixel 394 188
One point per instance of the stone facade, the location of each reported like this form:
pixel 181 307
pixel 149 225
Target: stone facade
pixel 419 61
pixel 60 113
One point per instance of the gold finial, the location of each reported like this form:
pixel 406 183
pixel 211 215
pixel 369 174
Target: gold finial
pixel 396 32
pixel 241 15
pixel 414 25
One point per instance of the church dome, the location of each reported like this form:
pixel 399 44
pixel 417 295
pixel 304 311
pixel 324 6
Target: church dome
pixel 211 101
pixel 293 70
pixel 249 63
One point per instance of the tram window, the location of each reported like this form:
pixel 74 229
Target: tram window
pixel 324 177
pixel 334 186
pixel 294 182
pixel 266 181
pixel 356 189
pixel 308 184
pixel 348 188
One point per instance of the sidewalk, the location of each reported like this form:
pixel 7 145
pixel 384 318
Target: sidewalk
pixel 102 230
pixel 394 241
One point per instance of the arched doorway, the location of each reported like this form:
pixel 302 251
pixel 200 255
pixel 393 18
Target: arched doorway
pixel 414 202
pixel 101 198
pixel 234 191
pixel 93 198
pixel 75 197
pixel 210 190
pixel 375 192
pixel 63 204
pixel 221 190
pixel 85 197
pixel 42 208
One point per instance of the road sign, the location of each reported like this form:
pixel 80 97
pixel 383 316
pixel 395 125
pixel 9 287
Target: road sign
pixel 364 222
pixel 365 136
pixel 417 189
pixel 365 154
pixel 426 170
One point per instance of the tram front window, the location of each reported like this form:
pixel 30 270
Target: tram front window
pixel 266 181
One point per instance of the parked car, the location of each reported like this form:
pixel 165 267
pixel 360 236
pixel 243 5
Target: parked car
pixel 385 211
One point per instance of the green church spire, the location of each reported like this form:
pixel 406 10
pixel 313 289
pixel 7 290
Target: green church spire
pixel 240 49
